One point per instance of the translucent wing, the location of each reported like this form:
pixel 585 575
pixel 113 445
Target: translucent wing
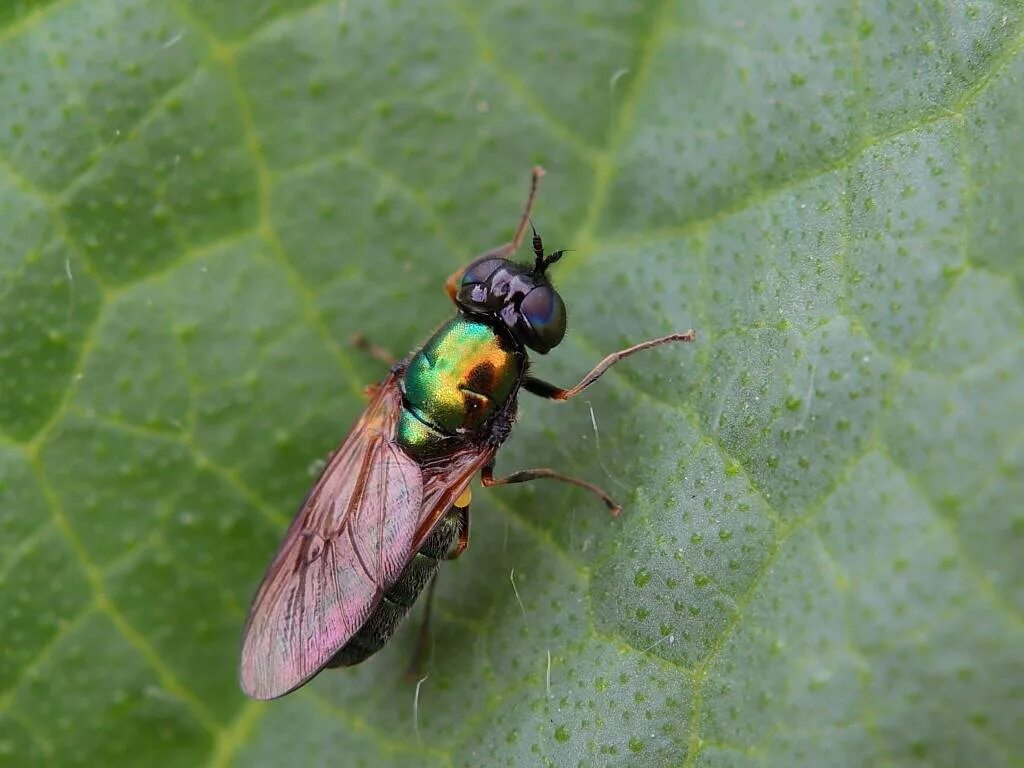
pixel 367 514
pixel 349 541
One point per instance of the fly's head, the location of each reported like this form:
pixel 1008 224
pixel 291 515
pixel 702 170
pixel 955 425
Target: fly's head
pixel 519 296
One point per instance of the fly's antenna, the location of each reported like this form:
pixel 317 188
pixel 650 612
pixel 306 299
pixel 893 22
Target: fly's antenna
pixel 551 258
pixel 542 262
pixel 538 251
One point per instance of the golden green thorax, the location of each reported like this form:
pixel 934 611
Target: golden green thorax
pixel 455 382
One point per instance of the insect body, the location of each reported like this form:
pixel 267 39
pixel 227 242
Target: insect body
pixel 394 499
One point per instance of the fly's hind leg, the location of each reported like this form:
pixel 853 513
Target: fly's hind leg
pixel 416 665
pixel 462 507
pixel 451 285
pixel 419 655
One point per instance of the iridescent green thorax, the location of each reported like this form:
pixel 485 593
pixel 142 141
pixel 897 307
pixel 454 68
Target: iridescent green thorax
pixel 455 383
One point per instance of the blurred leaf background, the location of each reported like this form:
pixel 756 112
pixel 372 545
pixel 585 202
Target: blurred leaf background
pixel 820 558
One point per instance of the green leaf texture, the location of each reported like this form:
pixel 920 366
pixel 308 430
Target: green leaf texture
pixel 820 558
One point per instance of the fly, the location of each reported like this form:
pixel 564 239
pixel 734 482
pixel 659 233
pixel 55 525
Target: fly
pixel 393 501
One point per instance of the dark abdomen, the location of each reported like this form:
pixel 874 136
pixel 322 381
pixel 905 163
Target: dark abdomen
pixel 397 601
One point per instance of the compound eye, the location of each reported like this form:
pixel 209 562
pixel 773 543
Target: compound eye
pixel 480 270
pixel 544 312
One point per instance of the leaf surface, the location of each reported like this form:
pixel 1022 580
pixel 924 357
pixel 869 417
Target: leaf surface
pixel 820 553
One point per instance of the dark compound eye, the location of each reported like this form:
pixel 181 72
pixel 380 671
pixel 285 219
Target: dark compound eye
pixel 479 271
pixel 544 312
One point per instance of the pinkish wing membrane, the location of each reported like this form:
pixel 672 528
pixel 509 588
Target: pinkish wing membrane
pixel 349 542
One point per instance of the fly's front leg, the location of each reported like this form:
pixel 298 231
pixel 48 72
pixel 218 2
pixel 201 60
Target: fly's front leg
pixel 451 285
pixel 552 392
pixel 526 475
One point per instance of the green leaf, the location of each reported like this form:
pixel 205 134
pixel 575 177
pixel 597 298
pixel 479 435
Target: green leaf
pixel 819 560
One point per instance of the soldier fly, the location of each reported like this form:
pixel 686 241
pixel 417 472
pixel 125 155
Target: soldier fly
pixel 393 500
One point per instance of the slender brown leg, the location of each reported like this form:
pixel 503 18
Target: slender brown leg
pixel 419 656
pixel 360 342
pixel 526 475
pixel 451 285
pixel 550 391
pixel 509 248
pixel 463 542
